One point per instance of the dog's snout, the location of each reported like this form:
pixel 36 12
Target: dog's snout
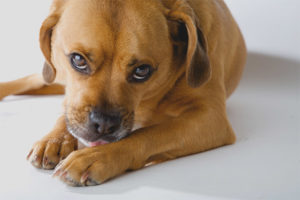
pixel 103 123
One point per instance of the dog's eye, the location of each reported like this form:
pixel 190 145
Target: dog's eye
pixel 142 73
pixel 79 63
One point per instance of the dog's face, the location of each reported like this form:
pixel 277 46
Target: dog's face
pixel 112 55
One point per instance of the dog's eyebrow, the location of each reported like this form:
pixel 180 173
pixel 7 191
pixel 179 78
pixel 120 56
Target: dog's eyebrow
pixel 133 62
pixel 87 53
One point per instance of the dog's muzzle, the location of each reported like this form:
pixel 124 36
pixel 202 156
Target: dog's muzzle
pixel 101 127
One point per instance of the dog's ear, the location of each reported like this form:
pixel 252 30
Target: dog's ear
pixel 189 41
pixel 49 71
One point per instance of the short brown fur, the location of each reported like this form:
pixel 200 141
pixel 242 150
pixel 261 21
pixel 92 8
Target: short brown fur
pixel 198 53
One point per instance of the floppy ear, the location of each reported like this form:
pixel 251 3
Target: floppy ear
pixel 49 71
pixel 190 39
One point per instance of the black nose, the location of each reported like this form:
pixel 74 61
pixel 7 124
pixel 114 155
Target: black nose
pixel 104 123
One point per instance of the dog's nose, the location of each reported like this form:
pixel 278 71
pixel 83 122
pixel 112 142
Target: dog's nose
pixel 103 123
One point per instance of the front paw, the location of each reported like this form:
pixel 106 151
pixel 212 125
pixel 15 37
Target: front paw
pixel 92 166
pixel 48 152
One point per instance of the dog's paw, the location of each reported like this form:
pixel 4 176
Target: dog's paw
pixel 91 166
pixel 48 152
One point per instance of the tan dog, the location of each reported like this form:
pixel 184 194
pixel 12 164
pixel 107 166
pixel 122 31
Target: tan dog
pixel 146 81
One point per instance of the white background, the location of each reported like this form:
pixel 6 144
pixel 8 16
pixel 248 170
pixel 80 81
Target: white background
pixel 264 111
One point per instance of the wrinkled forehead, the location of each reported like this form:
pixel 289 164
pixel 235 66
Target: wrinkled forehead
pixel 111 25
pixel 86 24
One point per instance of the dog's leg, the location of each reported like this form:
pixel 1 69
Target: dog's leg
pixel 194 131
pixel 33 85
pixel 53 148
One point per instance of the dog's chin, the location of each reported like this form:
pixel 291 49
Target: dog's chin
pixel 98 142
pixel 103 140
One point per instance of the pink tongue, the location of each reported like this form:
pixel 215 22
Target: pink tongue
pixel 98 143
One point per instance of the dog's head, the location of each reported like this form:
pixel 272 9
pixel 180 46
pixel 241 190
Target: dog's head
pixel 114 54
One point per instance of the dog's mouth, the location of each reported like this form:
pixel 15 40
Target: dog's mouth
pixel 97 128
pixel 98 143
pixel 90 139
pixel 107 139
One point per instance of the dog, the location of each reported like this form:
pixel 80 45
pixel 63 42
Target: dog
pixel 144 82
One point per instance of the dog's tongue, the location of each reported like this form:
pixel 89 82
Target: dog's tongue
pixel 97 143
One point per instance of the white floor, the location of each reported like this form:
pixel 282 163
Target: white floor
pixel 264 111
